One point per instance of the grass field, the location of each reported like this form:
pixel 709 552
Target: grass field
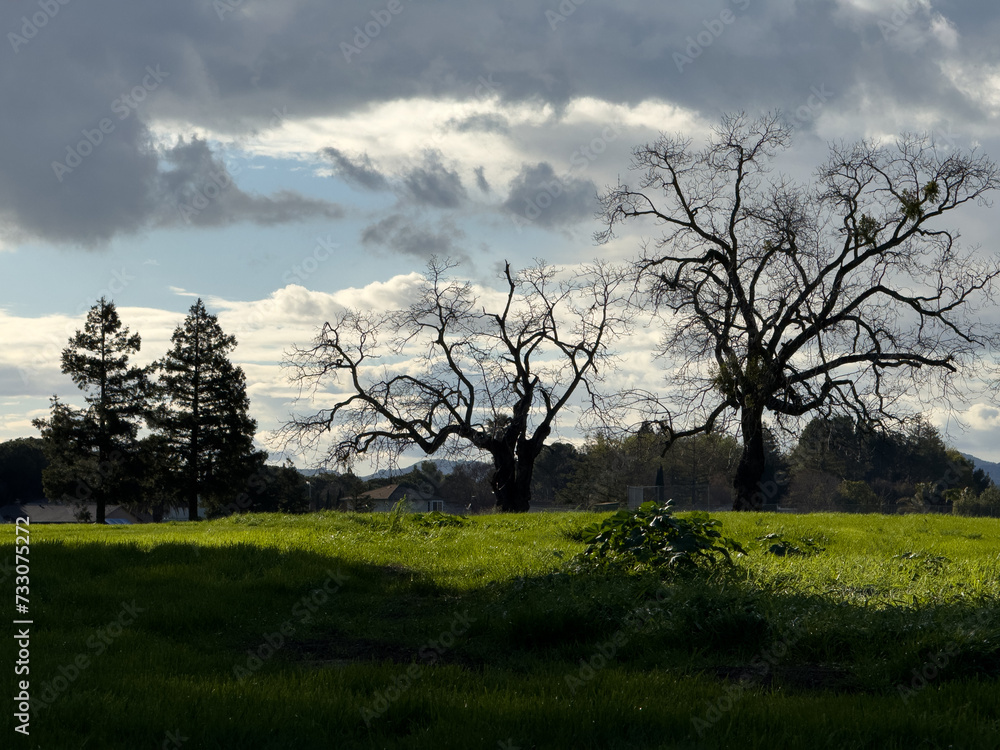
pixel 344 631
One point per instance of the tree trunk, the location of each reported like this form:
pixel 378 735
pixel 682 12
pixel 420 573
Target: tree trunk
pixel 104 473
pixel 511 482
pixel 750 470
pixel 192 475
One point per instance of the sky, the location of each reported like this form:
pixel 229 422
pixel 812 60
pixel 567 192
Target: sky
pixel 283 160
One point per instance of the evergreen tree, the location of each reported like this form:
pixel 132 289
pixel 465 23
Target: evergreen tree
pixel 204 414
pixel 22 461
pixel 92 450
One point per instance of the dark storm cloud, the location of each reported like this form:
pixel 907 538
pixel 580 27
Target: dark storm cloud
pixel 199 189
pixel 411 236
pixel 229 64
pixel 358 171
pixel 433 184
pixel 539 197
pixel 429 183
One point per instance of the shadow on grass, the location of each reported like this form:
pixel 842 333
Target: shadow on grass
pixel 243 637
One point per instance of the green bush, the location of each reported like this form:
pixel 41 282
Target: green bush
pixel 653 538
pixel 965 503
pixel 857 496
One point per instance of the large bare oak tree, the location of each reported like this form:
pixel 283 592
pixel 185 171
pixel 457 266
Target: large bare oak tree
pixel 461 367
pixel 844 296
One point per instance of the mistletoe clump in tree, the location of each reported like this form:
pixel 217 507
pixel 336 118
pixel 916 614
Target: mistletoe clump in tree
pixel 204 416
pixel 844 297
pixel 447 371
pixel 93 452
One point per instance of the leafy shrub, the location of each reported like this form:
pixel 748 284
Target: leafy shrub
pixel 857 496
pixel 653 538
pixel 965 502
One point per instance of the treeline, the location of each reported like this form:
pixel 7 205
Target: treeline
pixel 834 466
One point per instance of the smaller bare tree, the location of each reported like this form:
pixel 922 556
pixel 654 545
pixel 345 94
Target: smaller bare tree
pixel 445 372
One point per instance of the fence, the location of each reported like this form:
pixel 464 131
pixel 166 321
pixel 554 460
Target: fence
pixel 688 496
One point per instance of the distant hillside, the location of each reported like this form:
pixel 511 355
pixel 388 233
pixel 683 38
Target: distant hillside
pixel 992 469
pixel 446 466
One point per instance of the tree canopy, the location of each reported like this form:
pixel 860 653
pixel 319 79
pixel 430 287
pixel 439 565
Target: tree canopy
pixel 462 367
pixel 841 297
pixel 92 453
pixel 204 414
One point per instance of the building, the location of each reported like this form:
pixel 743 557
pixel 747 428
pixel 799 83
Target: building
pixel 45 512
pixel 384 499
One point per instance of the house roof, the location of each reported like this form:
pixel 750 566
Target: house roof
pixel 382 493
pixel 44 512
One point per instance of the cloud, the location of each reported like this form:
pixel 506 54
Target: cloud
pixel 983 417
pixel 539 197
pixel 359 171
pixel 481 182
pixel 226 73
pixel 411 236
pixel 433 184
pixel 200 190
pixel 482 123
pixel 428 183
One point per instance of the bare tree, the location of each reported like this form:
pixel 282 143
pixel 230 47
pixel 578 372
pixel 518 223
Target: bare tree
pixel 445 372
pixel 785 299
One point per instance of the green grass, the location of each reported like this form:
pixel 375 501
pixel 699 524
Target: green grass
pixel 409 635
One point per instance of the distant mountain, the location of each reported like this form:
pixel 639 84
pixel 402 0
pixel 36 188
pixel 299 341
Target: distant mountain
pixel 446 466
pixel 991 469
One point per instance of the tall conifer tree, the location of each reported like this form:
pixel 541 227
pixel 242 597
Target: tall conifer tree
pixel 91 451
pixel 204 415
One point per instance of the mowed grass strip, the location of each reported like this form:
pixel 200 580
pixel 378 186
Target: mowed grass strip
pixel 335 630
